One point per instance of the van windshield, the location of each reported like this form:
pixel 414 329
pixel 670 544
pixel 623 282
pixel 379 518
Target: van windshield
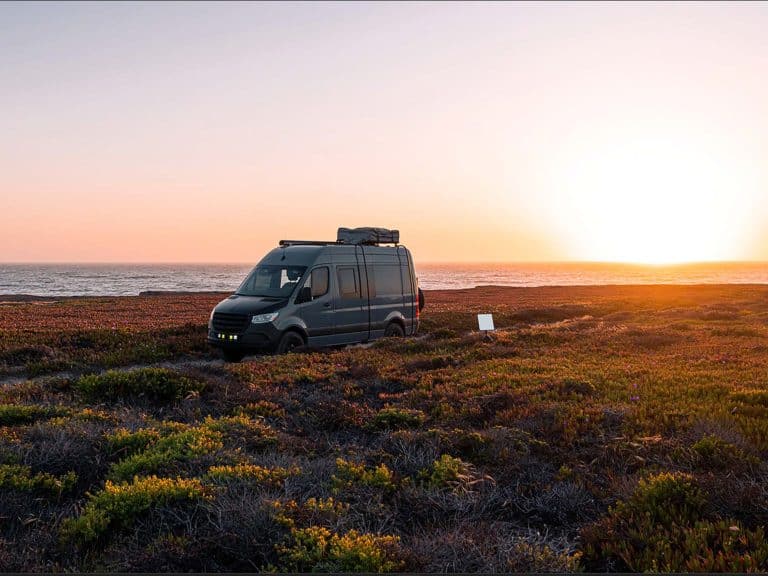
pixel 271 281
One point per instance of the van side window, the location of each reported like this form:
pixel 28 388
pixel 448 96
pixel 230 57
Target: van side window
pixel 319 282
pixel 386 280
pixel 348 287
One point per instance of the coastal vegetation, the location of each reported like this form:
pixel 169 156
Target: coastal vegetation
pixel 599 428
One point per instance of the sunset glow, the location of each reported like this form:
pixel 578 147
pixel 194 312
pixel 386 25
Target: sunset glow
pixel 136 132
pixel 657 200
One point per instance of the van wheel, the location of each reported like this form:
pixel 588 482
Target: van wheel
pixel 290 342
pixel 394 330
pixel 232 355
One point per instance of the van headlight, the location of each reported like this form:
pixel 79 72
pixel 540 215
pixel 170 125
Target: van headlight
pixel 264 318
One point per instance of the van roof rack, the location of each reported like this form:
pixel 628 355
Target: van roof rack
pixel 286 243
pixel 307 242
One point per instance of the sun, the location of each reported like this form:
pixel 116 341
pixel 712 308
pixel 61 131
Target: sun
pixel 652 201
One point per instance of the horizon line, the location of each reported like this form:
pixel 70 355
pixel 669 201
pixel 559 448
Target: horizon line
pixel 424 262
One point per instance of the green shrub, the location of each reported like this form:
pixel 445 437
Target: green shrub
pixel 15 414
pixel 665 499
pixel 391 418
pixel 158 384
pixel 539 558
pixel 118 505
pixel 159 455
pixel 452 473
pixel 351 475
pixel 254 432
pixel 317 549
pixel 313 511
pixel 91 415
pixel 263 408
pixel 660 528
pixel 470 444
pixel 250 472
pixel 19 477
pixel 444 472
pixel 704 546
pixel 717 454
pixel 127 443
pixel 721 547
pixel 158 450
pixel 564 473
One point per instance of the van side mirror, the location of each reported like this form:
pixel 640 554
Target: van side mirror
pixel 305 295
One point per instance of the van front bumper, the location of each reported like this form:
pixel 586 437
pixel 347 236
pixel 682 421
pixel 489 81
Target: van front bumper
pixel 256 337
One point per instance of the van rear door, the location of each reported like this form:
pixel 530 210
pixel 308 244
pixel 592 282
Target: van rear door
pixel 386 294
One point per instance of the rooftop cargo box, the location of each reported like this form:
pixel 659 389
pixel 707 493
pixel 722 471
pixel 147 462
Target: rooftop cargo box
pixel 368 236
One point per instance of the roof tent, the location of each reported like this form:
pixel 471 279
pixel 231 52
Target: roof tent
pixel 367 236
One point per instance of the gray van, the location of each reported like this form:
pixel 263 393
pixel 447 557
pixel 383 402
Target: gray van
pixel 313 293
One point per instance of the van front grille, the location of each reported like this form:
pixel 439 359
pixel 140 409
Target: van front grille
pixel 231 323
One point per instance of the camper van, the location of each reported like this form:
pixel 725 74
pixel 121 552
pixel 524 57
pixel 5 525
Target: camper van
pixel 315 293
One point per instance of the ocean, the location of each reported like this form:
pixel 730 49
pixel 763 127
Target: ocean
pixel 132 279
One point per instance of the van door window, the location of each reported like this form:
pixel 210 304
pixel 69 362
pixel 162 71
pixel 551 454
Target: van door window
pixel 318 282
pixel 315 286
pixel 348 286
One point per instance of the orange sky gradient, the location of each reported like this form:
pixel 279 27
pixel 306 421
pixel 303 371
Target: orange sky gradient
pixel 484 132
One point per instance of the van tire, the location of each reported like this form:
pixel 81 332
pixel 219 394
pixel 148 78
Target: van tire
pixel 290 342
pixel 232 355
pixel 394 330
pixel 421 299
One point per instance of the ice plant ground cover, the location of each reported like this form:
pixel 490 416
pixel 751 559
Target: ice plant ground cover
pixel 618 428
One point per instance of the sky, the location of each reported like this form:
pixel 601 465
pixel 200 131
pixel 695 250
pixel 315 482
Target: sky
pixel 196 132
